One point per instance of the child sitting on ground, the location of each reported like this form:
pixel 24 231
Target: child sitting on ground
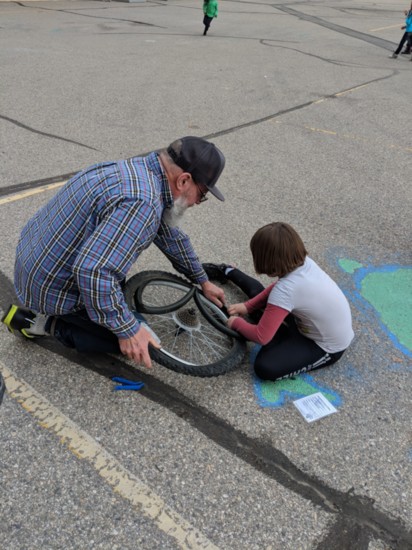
pixel 306 321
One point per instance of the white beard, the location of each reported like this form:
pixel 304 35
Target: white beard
pixel 173 216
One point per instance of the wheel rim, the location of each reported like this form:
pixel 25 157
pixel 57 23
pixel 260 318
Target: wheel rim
pixel 201 344
pixel 214 315
pixel 185 334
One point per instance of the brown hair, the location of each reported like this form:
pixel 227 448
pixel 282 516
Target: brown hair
pixel 277 249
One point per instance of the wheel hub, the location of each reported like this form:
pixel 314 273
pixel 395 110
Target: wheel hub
pixel 187 319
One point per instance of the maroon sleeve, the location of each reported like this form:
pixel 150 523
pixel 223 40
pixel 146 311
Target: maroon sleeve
pixel 260 300
pixel 265 330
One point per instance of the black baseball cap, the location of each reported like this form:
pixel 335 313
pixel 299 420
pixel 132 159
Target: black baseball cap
pixel 201 159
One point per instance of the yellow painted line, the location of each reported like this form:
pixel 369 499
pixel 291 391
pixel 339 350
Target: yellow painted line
pixel 38 190
pixel 31 192
pixel 355 138
pixel 322 131
pixel 352 89
pixel 384 28
pixel 123 482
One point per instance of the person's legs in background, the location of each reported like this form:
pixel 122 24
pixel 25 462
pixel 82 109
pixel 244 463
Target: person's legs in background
pixel 400 45
pixel 206 22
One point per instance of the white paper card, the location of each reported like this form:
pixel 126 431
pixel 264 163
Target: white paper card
pixel 314 406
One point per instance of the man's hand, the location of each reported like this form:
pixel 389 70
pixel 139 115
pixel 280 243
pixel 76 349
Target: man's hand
pixel 213 293
pixel 237 309
pixel 136 348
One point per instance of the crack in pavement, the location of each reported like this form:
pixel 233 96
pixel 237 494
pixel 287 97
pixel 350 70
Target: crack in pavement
pixel 380 42
pixel 266 42
pixel 39 132
pixel 92 16
pixel 45 181
pixel 282 112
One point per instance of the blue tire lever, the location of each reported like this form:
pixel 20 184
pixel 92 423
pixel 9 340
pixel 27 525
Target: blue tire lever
pixel 126 384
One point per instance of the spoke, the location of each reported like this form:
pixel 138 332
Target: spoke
pixel 202 345
pixel 213 346
pixel 205 342
pixel 215 333
pixel 187 334
pixel 203 352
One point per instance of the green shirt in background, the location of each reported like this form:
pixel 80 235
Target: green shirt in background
pixel 210 8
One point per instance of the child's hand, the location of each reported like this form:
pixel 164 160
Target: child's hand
pixel 229 322
pixel 237 309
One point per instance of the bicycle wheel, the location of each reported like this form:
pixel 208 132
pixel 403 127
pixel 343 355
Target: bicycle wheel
pixel 214 314
pixel 168 295
pixel 190 343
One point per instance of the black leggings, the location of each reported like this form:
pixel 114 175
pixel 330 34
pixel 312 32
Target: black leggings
pixel 407 37
pixel 206 22
pixel 289 353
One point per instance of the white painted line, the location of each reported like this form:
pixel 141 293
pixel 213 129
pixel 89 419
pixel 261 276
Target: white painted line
pixel 107 466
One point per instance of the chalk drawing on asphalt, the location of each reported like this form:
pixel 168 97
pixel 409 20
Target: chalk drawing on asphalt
pixel 383 294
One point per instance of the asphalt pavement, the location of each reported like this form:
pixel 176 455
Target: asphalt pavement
pixel 313 117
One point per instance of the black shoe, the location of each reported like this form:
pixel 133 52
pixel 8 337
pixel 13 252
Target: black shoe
pixel 216 272
pixel 406 52
pixel 20 320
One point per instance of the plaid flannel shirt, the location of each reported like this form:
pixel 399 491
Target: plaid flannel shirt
pixel 77 250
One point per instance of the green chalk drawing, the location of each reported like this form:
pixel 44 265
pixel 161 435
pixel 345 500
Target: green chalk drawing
pixel 277 393
pixel 385 291
pixel 390 294
pixel 350 266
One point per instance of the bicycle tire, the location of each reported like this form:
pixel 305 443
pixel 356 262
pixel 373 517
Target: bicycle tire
pixel 159 279
pixel 216 352
pixel 205 306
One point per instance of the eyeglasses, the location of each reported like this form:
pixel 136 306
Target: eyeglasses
pixel 203 196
